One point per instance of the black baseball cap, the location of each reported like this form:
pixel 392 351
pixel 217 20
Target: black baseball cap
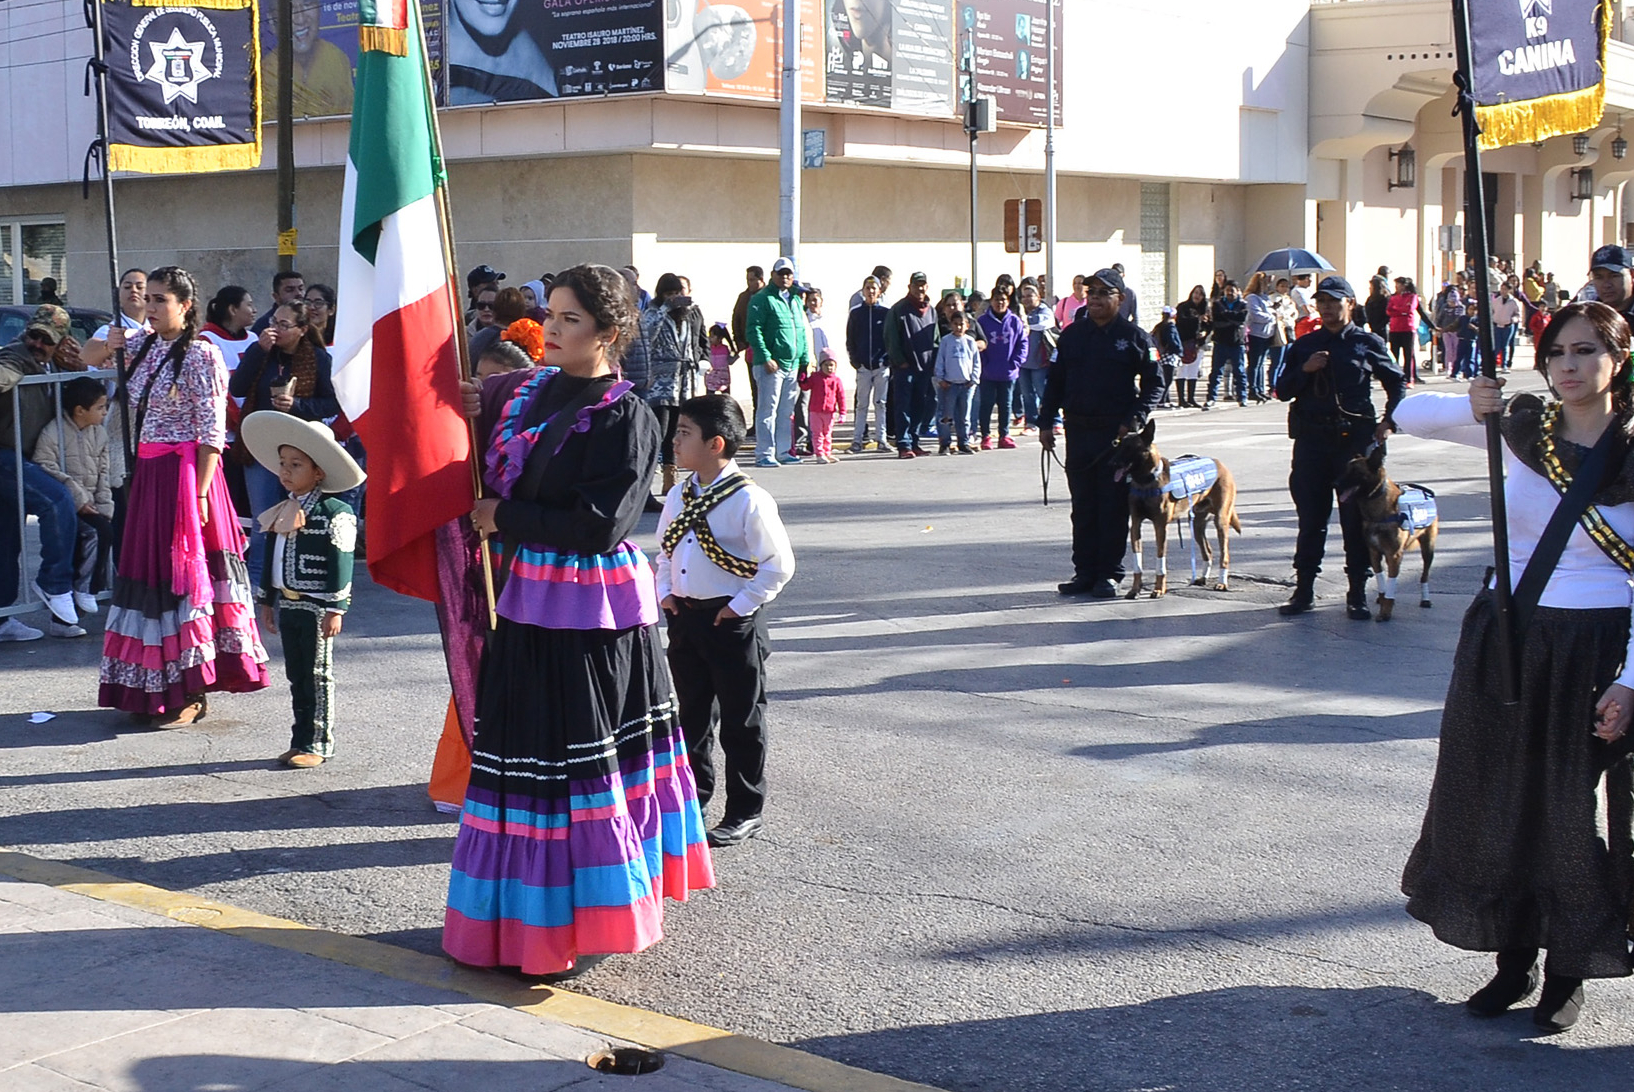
pixel 483 274
pixel 1109 277
pixel 1337 287
pixel 1612 256
pixel 918 278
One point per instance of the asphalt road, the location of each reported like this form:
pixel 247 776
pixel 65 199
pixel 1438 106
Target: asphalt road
pixel 1014 842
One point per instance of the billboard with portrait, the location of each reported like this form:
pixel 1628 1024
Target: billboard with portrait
pixel 892 54
pixel 737 48
pixel 325 47
pixel 516 50
pixel 1010 42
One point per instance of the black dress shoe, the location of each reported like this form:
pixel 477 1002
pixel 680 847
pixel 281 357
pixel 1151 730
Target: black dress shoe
pixel 1560 1004
pixel 1076 586
pixel 1358 611
pixel 1517 977
pixel 1103 589
pixel 732 831
pixel 1303 599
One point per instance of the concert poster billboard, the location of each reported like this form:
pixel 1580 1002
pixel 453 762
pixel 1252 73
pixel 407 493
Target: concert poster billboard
pixel 325 43
pixel 891 54
pixel 736 48
pixel 522 50
pixel 1012 63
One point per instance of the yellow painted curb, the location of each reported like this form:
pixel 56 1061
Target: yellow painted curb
pixel 699 1042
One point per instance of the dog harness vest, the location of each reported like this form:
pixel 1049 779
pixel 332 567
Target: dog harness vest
pixel 1191 476
pixel 1415 508
pixel 694 517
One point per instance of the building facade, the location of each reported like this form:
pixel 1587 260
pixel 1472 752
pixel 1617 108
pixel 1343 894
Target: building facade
pixel 1194 135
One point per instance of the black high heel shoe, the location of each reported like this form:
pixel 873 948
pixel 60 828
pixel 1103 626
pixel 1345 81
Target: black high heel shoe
pixel 1517 977
pixel 1560 1004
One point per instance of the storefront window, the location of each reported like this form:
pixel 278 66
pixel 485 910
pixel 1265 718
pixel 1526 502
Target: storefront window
pixel 8 291
pixel 44 260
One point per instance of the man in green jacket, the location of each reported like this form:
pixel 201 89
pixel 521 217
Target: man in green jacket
pixel 781 342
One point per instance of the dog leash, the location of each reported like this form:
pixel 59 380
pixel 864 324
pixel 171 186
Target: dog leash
pixel 1046 455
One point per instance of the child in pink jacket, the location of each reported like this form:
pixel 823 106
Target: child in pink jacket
pixel 827 404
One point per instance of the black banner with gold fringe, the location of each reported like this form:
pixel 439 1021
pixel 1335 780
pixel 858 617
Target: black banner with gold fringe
pixel 1538 67
pixel 183 85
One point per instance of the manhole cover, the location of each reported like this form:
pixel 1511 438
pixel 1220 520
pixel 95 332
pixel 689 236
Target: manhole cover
pixel 626 1061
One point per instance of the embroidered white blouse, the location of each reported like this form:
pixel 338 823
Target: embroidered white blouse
pixel 1585 578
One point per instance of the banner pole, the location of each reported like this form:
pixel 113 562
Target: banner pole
pixel 1476 230
pixel 99 64
pixel 445 228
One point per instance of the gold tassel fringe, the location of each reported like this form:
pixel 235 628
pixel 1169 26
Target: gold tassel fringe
pixel 393 40
pixel 220 5
pixel 1503 124
pixel 1540 119
pixel 231 157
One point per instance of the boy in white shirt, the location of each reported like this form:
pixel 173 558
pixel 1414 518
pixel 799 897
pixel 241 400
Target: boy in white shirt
pixel 723 555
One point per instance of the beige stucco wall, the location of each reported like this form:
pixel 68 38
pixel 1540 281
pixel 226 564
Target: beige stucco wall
pixel 703 216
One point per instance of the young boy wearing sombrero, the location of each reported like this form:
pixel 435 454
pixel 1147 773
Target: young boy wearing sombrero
pixel 307 573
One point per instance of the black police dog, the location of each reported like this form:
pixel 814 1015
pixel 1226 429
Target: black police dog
pixel 1388 533
pixel 1138 459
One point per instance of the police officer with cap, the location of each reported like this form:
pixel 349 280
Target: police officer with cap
pixel 1105 383
pixel 1609 269
pixel 1328 376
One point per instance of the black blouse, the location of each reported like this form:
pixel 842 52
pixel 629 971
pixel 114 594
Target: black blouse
pixel 591 494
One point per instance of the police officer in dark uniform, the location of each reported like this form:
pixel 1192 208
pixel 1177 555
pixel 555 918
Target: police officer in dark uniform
pixel 1328 376
pixel 1610 270
pixel 1104 383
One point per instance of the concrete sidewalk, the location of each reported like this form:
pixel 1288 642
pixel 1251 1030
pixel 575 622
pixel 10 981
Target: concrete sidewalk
pixel 117 986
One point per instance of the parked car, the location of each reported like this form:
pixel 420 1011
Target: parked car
pixel 83 322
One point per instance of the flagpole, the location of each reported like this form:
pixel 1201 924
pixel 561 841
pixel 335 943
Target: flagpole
pixel 1476 229
pixel 445 222
pixel 100 65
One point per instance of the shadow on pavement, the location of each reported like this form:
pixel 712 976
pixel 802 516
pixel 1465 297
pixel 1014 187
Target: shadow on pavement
pixel 381 806
pixel 214 1072
pixel 1305 730
pixel 182 769
pixel 1100 938
pixel 1231 1040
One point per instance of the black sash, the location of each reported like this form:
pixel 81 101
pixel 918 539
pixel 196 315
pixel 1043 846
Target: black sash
pixel 1605 457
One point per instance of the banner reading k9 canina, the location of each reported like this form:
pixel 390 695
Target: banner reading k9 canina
pixel 1539 67
pixel 183 86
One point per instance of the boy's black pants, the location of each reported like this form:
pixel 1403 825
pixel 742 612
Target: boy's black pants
pixel 309 663
pixel 723 664
pixel 93 552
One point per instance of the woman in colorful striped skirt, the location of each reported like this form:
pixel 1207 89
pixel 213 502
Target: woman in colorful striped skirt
pixel 181 623
pixel 581 815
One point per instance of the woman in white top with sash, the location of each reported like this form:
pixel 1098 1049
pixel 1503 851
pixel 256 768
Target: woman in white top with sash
pixel 1517 852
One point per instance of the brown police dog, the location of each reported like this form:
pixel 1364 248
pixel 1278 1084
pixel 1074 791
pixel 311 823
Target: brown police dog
pixel 1389 534
pixel 1151 501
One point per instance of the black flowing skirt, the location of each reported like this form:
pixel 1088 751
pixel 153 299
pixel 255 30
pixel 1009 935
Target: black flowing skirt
pixel 1526 841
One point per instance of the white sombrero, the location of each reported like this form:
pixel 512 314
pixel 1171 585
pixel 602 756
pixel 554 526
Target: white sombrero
pixel 265 431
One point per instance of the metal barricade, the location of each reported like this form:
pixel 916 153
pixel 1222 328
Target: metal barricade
pixel 26 602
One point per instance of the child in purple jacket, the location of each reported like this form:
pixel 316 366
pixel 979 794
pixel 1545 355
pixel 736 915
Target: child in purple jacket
pixel 1006 337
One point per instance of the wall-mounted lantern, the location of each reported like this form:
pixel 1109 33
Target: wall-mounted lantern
pixel 1583 184
pixel 1406 168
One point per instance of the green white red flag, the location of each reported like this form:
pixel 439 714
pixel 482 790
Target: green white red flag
pixel 396 359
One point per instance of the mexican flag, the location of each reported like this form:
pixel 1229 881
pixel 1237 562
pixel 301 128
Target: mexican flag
pixel 396 359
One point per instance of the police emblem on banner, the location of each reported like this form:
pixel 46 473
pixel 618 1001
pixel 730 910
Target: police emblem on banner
pixel 183 85
pixel 1539 67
